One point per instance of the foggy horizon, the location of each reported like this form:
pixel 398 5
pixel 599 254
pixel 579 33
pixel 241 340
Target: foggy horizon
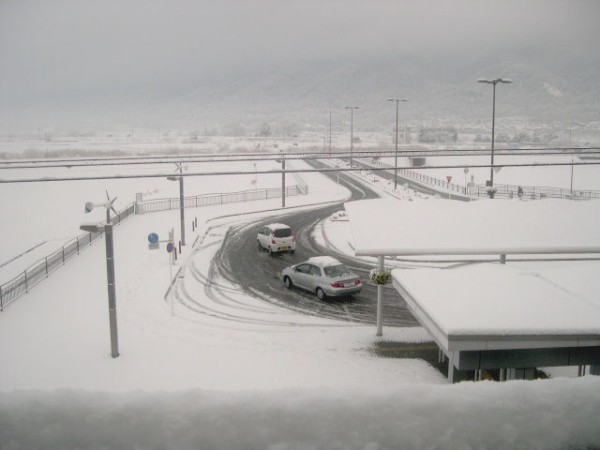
pixel 57 57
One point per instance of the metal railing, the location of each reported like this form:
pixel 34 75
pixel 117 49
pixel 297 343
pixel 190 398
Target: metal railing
pixel 23 282
pixel 165 204
pixel 424 179
pixel 502 190
pixel 532 192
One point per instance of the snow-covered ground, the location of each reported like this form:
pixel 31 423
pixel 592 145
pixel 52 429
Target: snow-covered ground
pixel 228 370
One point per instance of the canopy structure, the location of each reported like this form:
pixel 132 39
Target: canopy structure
pixel 488 316
pixel 442 227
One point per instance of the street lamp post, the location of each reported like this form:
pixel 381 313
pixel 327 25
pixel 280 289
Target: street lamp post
pixel 282 180
pixel 493 83
pixel 329 133
pixel 351 108
pixel 181 201
pixel 110 268
pixel 397 100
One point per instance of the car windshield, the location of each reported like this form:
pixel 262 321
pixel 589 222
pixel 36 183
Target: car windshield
pixel 337 271
pixel 282 233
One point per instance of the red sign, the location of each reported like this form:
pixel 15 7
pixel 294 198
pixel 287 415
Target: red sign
pixel 449 178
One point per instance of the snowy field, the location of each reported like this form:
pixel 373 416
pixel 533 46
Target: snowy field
pixel 230 371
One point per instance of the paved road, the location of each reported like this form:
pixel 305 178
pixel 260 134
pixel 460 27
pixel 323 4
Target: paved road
pixel 240 261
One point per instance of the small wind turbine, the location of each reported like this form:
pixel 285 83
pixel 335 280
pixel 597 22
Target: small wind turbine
pixel 108 205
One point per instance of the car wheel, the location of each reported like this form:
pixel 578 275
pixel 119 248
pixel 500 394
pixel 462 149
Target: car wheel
pixel 321 294
pixel 271 251
pixel 288 282
pixel 259 246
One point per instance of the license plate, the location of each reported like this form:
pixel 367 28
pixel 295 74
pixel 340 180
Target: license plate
pixel 283 248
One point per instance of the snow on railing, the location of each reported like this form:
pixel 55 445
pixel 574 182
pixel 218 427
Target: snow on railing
pixel 501 190
pixel 165 204
pixel 24 281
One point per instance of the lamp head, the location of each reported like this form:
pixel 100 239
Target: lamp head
pixel 91 227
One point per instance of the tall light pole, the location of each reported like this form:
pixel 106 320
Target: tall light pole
pixel 397 100
pixel 110 268
pixel 329 133
pixel 351 108
pixel 181 200
pixel 282 179
pixel 494 83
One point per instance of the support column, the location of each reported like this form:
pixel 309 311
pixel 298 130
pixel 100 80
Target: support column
pixel 451 357
pixel 502 376
pixel 379 299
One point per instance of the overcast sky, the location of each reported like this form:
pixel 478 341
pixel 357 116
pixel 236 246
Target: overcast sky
pixel 52 49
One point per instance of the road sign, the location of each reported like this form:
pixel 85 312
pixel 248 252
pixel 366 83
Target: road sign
pixel 153 238
pixel 449 178
pixel 170 247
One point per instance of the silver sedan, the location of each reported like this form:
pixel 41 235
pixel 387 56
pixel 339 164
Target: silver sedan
pixel 323 275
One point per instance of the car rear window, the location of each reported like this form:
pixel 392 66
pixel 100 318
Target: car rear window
pixel 336 271
pixel 282 233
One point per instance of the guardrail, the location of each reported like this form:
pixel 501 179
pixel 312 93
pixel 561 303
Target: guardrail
pixel 532 192
pixel 24 281
pixel 501 190
pixel 164 204
pixel 20 284
pixel 425 179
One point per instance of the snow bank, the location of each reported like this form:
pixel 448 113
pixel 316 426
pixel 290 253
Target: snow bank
pixel 515 414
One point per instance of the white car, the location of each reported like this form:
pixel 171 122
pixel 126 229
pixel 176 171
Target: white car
pixel 276 237
pixel 323 275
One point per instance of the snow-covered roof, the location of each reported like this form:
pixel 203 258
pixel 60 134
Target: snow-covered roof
pixel 323 261
pixel 491 306
pixel 497 306
pixel 441 227
pixel 278 226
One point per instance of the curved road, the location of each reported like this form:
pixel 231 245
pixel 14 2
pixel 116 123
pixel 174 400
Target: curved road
pixel 240 261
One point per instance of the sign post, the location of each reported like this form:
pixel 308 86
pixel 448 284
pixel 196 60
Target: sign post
pixel 170 248
pixel 154 243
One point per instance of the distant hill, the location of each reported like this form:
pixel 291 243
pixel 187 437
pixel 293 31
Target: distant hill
pixel 558 88
pixel 544 89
